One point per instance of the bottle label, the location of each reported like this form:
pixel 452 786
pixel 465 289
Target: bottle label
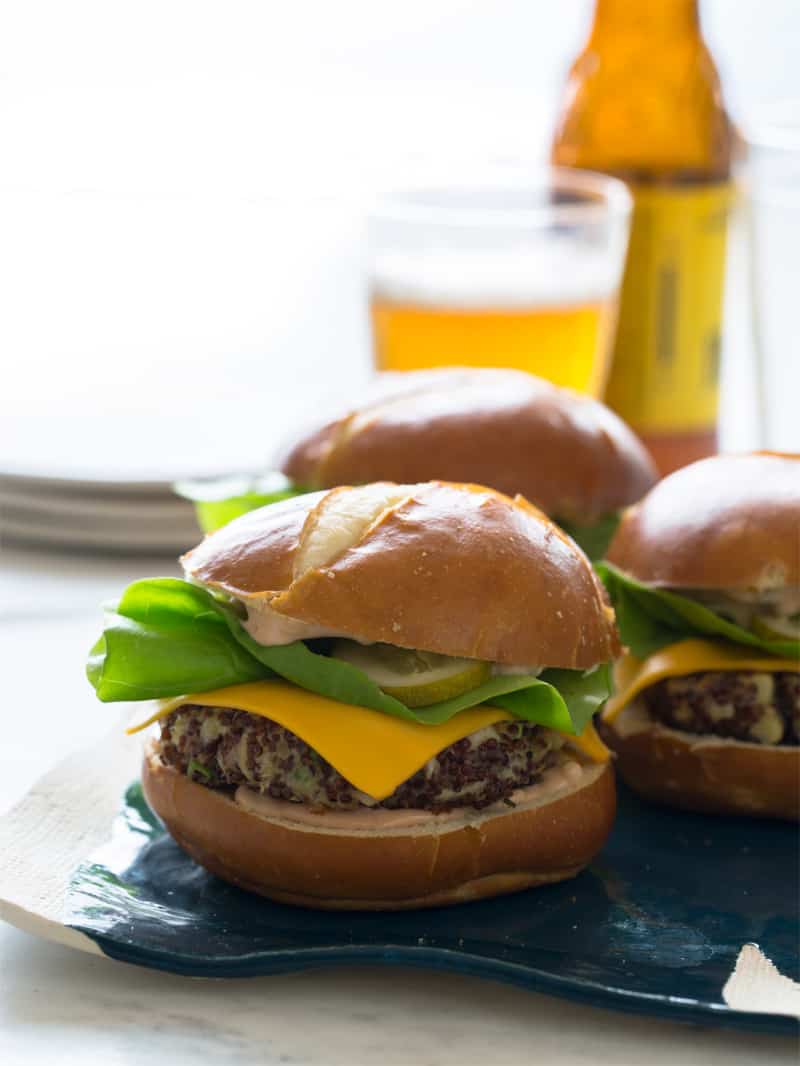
pixel 665 372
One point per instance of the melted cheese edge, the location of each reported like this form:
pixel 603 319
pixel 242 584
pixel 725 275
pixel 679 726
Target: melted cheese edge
pixel 632 675
pixel 375 752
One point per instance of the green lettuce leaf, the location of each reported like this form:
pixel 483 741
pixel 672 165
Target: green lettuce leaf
pixel 218 501
pixel 167 637
pixel 581 693
pixel 650 619
pixel 557 698
pixel 594 538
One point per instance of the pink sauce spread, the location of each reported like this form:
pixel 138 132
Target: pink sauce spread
pixel 566 777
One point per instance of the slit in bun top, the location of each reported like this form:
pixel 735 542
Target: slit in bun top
pixel 565 452
pixel 374 697
pixel 704 574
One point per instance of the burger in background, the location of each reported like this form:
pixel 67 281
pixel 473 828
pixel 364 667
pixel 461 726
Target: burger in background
pixel 704 575
pixel 565 452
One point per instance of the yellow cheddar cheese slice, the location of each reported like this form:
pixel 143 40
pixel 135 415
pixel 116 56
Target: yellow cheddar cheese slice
pixel 375 752
pixel 632 675
pixel 589 744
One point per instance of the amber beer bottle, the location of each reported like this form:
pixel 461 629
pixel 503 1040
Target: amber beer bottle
pixel 643 102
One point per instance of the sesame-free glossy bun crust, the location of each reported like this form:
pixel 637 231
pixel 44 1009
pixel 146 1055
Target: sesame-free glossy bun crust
pixel 567 453
pixel 729 522
pixel 703 773
pixel 456 569
pixel 382 871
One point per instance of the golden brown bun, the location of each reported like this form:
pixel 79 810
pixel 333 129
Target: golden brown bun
pixel 456 569
pixel 567 453
pixel 383 871
pixel 710 774
pixel 729 522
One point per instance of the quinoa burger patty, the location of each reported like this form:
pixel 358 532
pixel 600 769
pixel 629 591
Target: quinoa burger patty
pixel 223 748
pixel 762 708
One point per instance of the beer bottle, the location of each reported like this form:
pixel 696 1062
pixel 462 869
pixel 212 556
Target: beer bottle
pixel 643 102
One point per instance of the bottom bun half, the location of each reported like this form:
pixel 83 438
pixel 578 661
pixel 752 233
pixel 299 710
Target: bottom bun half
pixel 433 863
pixel 703 773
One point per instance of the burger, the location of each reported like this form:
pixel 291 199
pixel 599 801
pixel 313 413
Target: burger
pixel 567 453
pixel 704 574
pixel 374 697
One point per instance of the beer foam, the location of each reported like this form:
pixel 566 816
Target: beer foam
pixel 550 276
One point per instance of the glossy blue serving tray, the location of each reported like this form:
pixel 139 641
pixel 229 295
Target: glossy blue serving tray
pixel 654 926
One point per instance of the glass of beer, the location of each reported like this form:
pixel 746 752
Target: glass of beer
pixel 521 274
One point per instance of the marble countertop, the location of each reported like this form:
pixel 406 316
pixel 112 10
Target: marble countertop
pixel 58 1003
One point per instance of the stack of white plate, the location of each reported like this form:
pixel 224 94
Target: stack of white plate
pixel 95 513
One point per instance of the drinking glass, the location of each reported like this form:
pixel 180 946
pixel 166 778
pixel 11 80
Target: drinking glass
pixel 774 229
pixel 521 273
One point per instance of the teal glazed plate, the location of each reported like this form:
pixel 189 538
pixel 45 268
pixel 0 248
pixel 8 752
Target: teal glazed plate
pixel 654 926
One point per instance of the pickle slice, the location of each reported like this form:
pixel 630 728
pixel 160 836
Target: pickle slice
pixel 416 678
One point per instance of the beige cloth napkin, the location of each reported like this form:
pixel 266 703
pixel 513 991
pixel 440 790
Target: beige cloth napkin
pixel 756 984
pixel 66 815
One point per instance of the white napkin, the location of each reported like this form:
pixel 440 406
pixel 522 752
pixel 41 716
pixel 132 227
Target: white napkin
pixel 756 984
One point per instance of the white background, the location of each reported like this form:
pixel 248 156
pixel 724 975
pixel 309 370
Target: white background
pixel 182 187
